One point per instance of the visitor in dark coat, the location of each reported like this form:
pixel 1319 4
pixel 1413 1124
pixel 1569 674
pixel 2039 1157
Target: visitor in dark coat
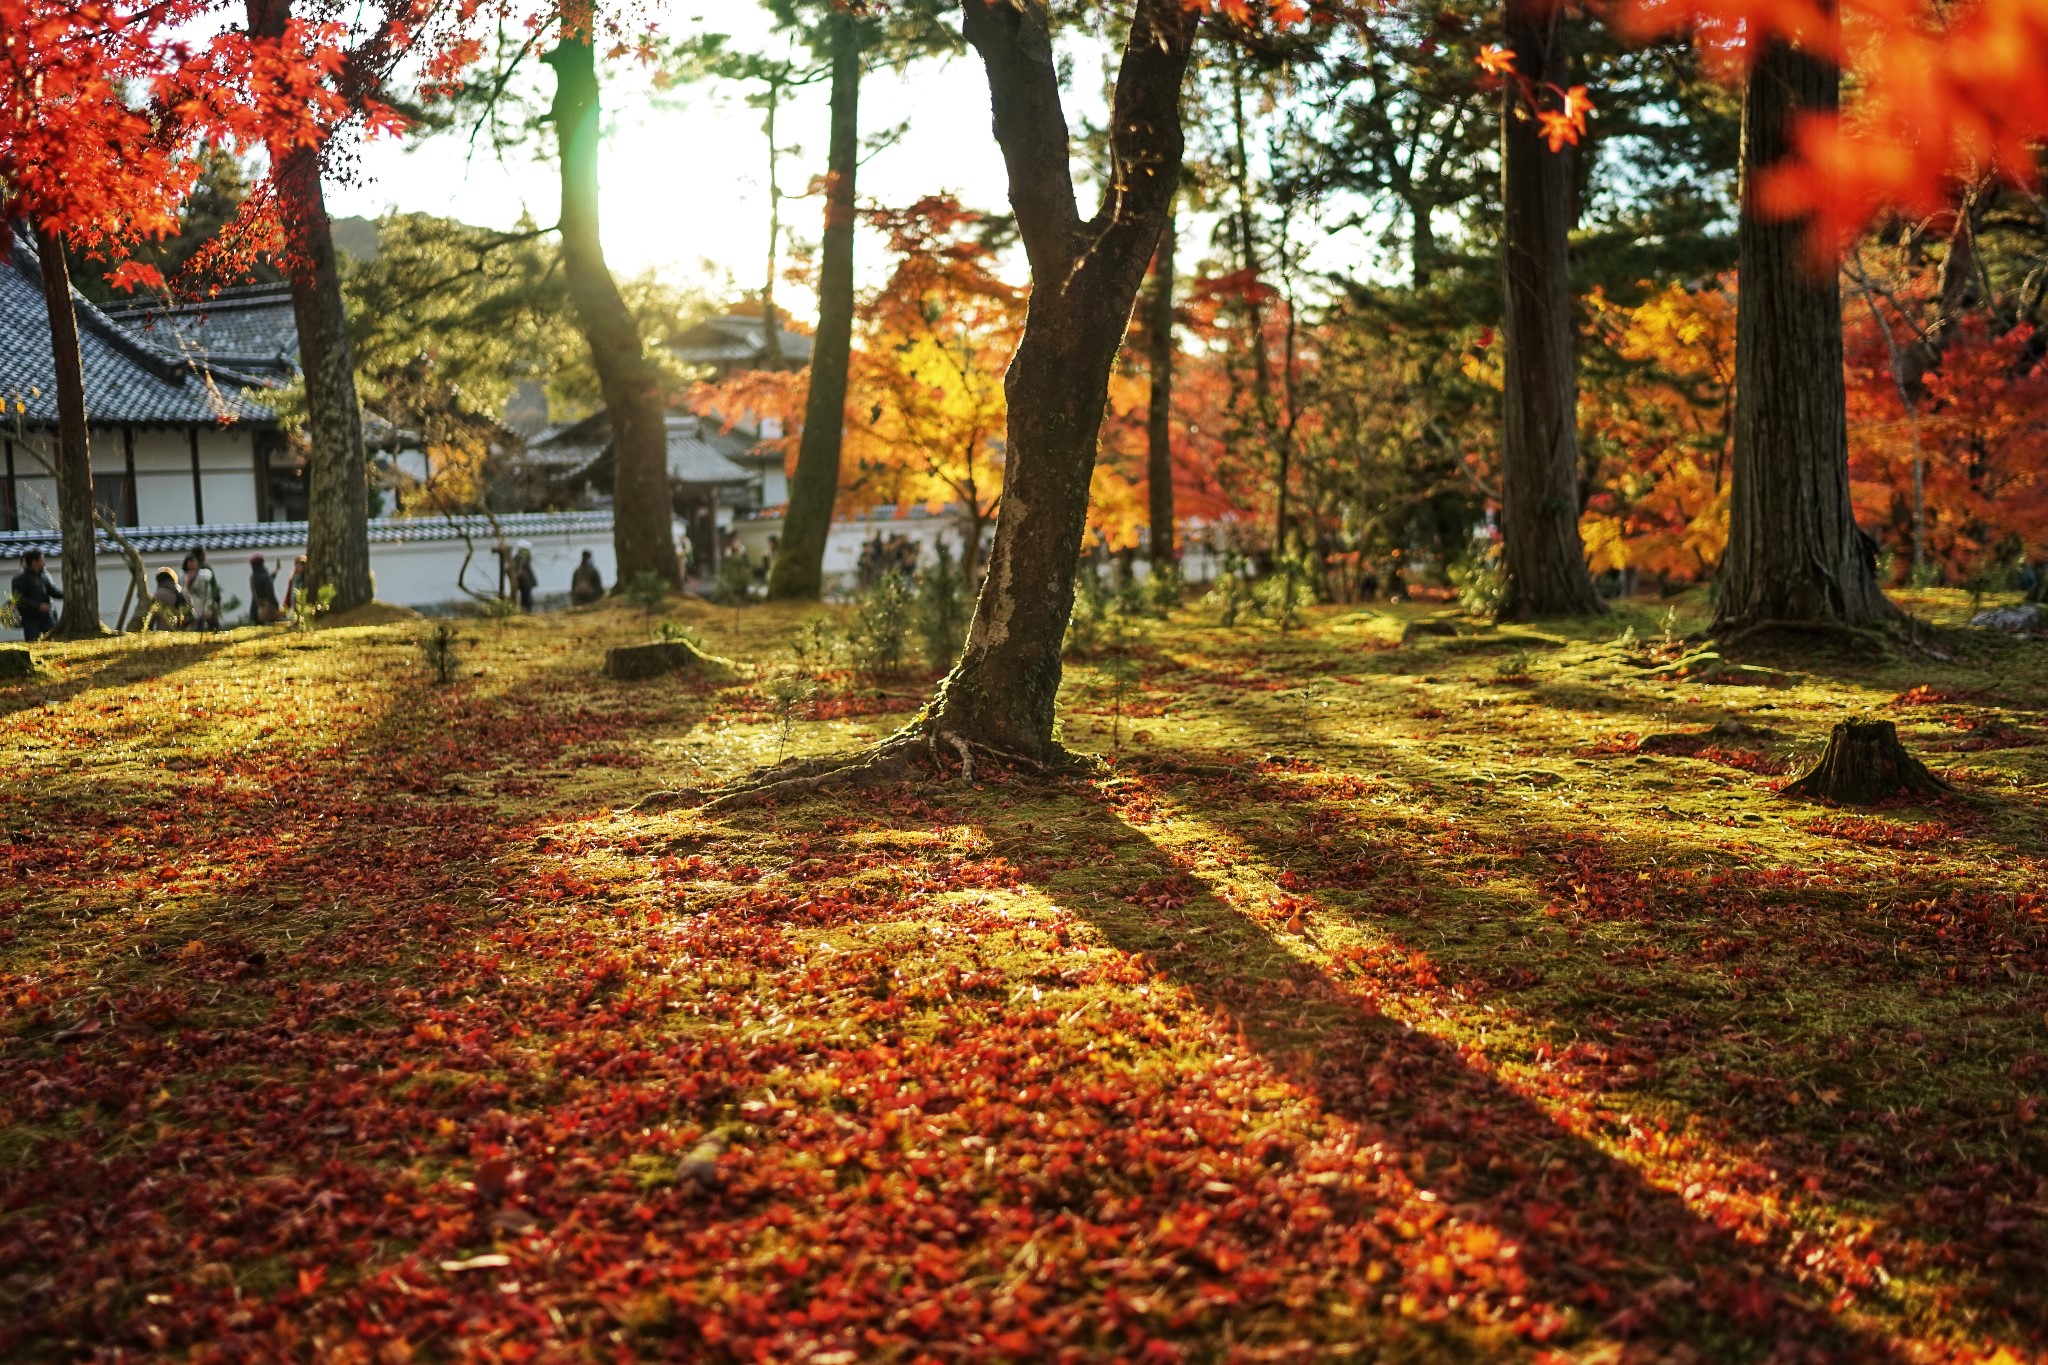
pixel 586 585
pixel 33 598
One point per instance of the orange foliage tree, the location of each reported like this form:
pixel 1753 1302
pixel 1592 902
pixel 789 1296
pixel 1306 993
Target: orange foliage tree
pixel 925 408
pixel 1977 427
pixel 82 165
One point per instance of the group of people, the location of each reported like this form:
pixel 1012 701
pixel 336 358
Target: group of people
pixel 880 558
pixel 190 597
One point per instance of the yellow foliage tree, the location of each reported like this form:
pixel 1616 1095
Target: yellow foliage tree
pixel 1657 408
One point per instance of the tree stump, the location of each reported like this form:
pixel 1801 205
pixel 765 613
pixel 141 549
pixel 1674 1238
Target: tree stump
pixel 17 663
pixel 628 662
pixel 1865 763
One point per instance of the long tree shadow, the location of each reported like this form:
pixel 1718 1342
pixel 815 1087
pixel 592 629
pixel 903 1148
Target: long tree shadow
pixel 1703 953
pixel 124 665
pixel 1597 1241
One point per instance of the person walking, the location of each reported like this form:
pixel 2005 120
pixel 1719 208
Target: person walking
pixel 586 585
pixel 523 579
pixel 263 608
pixel 202 592
pixel 33 595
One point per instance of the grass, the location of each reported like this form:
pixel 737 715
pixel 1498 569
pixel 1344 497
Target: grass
pixel 1458 999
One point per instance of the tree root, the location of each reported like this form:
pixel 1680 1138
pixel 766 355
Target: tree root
pixel 1862 637
pixel 890 761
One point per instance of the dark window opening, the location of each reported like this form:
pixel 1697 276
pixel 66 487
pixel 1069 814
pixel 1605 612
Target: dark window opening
pixel 115 494
pixel 283 489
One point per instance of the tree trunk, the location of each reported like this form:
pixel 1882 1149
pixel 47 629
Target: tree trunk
pixel 1865 764
pixel 799 568
pixel 1422 251
pixel 642 537
pixel 1085 279
pixel 1159 407
pixel 1544 559
pixel 337 468
pixel 771 323
pixel 1795 553
pixel 81 616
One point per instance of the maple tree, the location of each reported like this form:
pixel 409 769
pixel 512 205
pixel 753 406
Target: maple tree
pixel 923 412
pixel 1954 466
pixel 84 167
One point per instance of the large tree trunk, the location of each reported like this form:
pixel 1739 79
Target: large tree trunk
pixel 799 568
pixel 1085 279
pixel 81 616
pixel 642 537
pixel 1542 555
pixel 1795 553
pixel 337 469
pixel 1159 408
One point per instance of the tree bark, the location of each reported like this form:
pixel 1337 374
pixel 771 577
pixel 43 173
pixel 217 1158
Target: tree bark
pixel 799 569
pixel 771 323
pixel 1085 279
pixel 1159 407
pixel 1795 553
pixel 642 537
pixel 1543 558
pixel 1865 764
pixel 81 616
pixel 337 467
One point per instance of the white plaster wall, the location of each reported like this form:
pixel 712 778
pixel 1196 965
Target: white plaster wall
pixel 419 573
pixel 843 544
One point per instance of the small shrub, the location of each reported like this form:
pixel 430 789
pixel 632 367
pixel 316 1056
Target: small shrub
pixel 942 610
pixel 1290 587
pixel 789 692
pixel 438 647
pixel 646 590
pixel 1085 623
pixel 309 607
pixel 1165 588
pixel 676 633
pixel 1667 628
pixel 879 638
pixel 1515 665
pixel 816 645
pixel 10 611
pixel 1481 582
pixel 735 582
pixel 1230 595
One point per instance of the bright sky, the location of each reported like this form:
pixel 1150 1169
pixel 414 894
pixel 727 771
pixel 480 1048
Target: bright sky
pixel 684 177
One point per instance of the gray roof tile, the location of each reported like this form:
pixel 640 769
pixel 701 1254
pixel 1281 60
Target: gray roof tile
pixel 128 382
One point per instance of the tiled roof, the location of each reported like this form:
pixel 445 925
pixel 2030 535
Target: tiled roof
pixel 127 381
pixel 278 535
pixel 250 329
pixel 698 452
pixel 731 337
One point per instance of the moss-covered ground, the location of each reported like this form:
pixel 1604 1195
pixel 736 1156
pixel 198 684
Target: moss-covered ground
pixel 1474 997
